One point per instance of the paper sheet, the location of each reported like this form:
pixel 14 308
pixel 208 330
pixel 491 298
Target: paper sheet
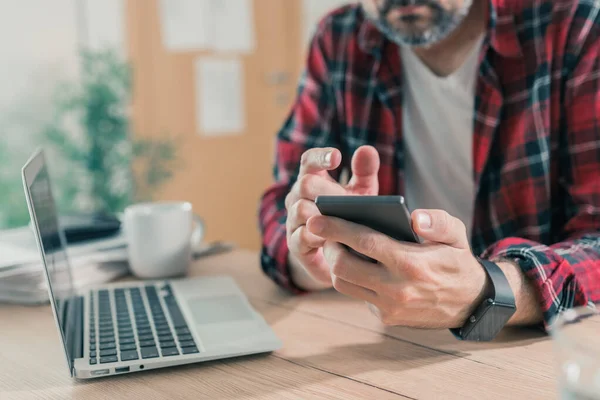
pixel 313 11
pixel 220 25
pixel 232 26
pixel 219 96
pixel 185 24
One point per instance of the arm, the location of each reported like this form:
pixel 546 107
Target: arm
pixel 567 273
pixel 311 123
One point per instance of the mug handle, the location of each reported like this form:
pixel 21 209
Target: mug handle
pixel 198 233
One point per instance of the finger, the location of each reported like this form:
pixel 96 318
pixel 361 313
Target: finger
pixel 440 227
pixel 318 160
pixel 355 291
pixel 351 268
pixel 300 212
pixel 360 238
pixel 314 265
pixel 365 167
pixel 302 241
pixel 309 187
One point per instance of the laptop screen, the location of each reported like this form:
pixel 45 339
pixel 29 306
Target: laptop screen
pixel 51 239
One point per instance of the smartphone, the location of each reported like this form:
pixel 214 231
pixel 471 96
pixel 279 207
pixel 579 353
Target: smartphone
pixel 386 214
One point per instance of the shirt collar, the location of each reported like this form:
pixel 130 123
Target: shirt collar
pixel 501 35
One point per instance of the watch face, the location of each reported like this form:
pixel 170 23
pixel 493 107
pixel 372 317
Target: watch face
pixel 491 321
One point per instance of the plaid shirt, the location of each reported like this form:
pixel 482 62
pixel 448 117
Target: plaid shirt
pixel 536 143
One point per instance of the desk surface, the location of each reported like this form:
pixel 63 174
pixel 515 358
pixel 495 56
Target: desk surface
pixel 333 348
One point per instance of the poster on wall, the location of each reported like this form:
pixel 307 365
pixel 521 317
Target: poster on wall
pixel 219 96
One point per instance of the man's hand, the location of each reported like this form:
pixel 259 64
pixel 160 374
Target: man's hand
pixel 306 249
pixel 436 284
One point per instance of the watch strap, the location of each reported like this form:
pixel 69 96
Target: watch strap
pixel 497 307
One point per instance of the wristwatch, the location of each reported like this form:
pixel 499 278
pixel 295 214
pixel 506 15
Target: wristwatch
pixel 494 312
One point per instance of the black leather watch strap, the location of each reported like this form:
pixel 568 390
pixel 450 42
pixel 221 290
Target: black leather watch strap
pixel 499 287
pixel 494 312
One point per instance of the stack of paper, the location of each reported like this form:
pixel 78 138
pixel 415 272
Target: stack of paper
pixel 23 281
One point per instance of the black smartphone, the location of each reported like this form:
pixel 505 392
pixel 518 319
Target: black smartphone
pixel 386 214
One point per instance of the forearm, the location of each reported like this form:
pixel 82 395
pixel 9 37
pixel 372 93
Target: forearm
pixel 529 311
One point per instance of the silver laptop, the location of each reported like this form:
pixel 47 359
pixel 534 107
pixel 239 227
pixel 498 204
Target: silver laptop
pixel 134 326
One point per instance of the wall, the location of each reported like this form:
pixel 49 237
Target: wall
pixel 223 177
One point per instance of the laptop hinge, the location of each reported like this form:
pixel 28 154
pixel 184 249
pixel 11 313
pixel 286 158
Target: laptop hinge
pixel 74 328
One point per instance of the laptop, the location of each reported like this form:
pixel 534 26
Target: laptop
pixel 127 327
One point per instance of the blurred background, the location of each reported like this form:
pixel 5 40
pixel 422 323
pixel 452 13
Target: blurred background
pixel 150 100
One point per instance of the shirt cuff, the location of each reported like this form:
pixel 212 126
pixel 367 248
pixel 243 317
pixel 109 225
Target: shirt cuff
pixel 551 275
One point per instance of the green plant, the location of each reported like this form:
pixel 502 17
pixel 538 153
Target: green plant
pixel 91 135
pixel 13 210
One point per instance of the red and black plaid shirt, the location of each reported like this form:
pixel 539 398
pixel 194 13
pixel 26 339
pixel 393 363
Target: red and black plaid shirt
pixel 536 143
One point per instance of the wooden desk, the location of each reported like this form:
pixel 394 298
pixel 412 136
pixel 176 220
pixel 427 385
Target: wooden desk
pixel 333 348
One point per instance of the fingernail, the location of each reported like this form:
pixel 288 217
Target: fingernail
pixel 424 220
pixel 317 226
pixel 327 159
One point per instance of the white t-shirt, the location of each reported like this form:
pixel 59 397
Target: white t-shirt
pixel 438 136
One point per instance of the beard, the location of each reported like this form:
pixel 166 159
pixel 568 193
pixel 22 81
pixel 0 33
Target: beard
pixel 443 22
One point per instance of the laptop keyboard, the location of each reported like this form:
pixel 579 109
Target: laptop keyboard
pixel 138 333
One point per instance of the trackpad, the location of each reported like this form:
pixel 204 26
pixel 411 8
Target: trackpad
pixel 217 310
pixel 226 323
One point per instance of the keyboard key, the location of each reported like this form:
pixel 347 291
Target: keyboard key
pixel 92 341
pixel 111 359
pixel 129 355
pixel 163 331
pixel 170 351
pixel 147 343
pixel 189 350
pixel 107 339
pixel 166 338
pixel 183 338
pixel 125 335
pixel 92 361
pixel 126 340
pixel 187 343
pixel 167 344
pixel 93 354
pixel 182 331
pixel 178 320
pixel 128 346
pixel 106 353
pixel 143 332
pixel 93 347
pixel 108 346
pixel 149 352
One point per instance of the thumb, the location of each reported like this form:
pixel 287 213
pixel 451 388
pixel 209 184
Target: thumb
pixel 440 227
pixel 365 167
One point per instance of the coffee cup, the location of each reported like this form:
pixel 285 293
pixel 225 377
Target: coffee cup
pixel 160 238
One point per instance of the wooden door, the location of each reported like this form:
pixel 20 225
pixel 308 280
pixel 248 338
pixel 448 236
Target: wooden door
pixel 223 176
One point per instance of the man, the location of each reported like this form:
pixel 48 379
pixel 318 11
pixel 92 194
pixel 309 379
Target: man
pixel 485 115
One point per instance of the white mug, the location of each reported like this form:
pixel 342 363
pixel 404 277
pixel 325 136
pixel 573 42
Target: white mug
pixel 160 238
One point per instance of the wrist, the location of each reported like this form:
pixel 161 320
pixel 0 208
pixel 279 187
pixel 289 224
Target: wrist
pixel 528 309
